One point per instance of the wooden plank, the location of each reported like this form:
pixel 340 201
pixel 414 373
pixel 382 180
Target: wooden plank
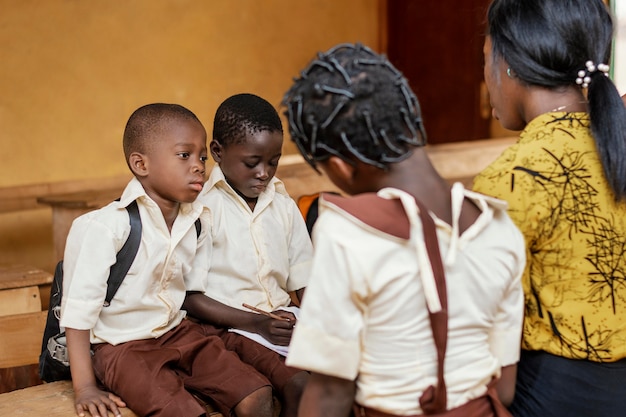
pixel 300 178
pixel 33 196
pixel 19 377
pixel 84 199
pixel 459 161
pixel 55 399
pixel 20 339
pixel 24 197
pixel 464 160
pixel 44 294
pixel 20 275
pixel 20 301
pixel 62 218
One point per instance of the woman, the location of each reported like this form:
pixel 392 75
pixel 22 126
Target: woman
pixel 565 181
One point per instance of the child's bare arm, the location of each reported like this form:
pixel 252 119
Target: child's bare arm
pixel 88 397
pixel 506 384
pixel 300 295
pixel 327 396
pixel 218 314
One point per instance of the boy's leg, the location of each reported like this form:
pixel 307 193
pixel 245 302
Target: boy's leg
pixel 257 404
pixel 213 371
pixel 292 393
pixel 137 372
pixel 289 382
pixel 155 374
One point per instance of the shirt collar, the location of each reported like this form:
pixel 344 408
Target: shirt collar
pixel 553 118
pixel 135 191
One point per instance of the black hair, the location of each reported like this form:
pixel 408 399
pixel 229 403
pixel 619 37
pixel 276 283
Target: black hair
pixel 546 43
pixel 353 103
pixel 243 114
pixel 150 120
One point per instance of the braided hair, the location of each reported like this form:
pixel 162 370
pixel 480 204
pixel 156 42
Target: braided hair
pixel 351 102
pixel 547 43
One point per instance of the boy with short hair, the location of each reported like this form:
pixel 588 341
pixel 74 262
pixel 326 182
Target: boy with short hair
pixel 140 347
pixel 261 248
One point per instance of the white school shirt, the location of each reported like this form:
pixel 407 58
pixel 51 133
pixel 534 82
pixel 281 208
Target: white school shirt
pixel 364 316
pixel 147 303
pixel 257 256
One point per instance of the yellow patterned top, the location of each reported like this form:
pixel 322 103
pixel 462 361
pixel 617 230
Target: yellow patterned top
pixel 575 277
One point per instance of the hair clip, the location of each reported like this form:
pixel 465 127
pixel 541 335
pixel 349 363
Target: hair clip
pixel 584 76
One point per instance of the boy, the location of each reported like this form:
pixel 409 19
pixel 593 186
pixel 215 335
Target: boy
pixel 261 249
pixel 139 347
pixel 364 331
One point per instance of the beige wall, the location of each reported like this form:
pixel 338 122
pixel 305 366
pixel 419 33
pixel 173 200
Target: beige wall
pixel 72 71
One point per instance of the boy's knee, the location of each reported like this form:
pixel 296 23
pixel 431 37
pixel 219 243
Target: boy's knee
pixel 291 394
pixel 294 388
pixel 182 404
pixel 258 404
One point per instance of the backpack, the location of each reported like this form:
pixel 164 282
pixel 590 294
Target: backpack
pixel 54 358
pixel 308 205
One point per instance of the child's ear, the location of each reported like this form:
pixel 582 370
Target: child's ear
pixel 340 172
pixel 341 167
pixel 138 164
pixel 216 150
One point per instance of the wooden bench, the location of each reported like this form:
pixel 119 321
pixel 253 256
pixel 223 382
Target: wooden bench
pixel 23 289
pixel 51 400
pixel 55 399
pixel 24 299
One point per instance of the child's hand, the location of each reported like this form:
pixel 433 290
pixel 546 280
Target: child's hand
pixel 276 331
pixel 287 315
pixel 97 402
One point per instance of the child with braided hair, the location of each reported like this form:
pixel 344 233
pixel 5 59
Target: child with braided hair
pixel 364 328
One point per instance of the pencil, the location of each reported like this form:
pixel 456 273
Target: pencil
pixel 265 313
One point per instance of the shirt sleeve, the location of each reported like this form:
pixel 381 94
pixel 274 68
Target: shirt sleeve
pixel 506 334
pixel 197 278
pixel 327 337
pixel 91 249
pixel 516 177
pixel 300 250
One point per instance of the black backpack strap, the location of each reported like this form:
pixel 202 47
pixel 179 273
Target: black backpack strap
pixel 126 255
pixel 198 227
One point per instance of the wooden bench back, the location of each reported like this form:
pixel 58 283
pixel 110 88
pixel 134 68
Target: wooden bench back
pixel 24 299
pixel 20 343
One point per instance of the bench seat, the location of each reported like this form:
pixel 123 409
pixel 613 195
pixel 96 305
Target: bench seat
pixel 55 399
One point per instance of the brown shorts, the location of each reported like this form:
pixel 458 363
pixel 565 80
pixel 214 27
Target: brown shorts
pixel 266 361
pixel 154 376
